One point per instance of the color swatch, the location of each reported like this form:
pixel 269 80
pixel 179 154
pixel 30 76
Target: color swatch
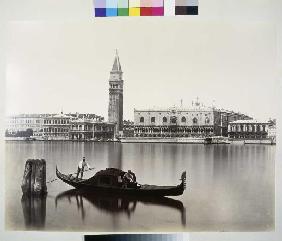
pixel 186 7
pixel 136 237
pixel 111 8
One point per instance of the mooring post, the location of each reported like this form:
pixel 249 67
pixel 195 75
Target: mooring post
pixel 34 178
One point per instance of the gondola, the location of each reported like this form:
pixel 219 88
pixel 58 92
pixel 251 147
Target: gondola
pixel 109 181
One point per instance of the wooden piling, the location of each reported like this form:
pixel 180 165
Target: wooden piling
pixel 34 178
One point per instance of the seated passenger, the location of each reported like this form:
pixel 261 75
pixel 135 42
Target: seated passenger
pixel 129 179
pixel 132 176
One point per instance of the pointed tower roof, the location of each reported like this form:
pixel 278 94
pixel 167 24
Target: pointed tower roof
pixel 116 65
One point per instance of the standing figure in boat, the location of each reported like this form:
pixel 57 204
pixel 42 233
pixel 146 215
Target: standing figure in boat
pixel 81 165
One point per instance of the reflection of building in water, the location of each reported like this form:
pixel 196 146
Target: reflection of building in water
pixel 115 156
pixel 34 211
pixel 196 121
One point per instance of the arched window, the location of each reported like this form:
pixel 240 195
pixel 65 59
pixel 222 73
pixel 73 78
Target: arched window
pixel 153 119
pixel 195 120
pixel 183 119
pixel 207 120
pixel 164 119
pixel 173 119
pixel 142 119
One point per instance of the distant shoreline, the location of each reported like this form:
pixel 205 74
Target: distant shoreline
pixel 186 140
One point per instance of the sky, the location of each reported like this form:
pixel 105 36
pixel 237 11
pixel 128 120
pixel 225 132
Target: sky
pixel 54 66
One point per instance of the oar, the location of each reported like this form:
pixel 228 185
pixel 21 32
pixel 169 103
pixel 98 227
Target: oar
pixel 90 169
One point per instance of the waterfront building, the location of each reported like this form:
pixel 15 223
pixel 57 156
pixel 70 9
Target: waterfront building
pixel 272 129
pixel 195 121
pixel 115 108
pixel 56 127
pixel 88 129
pixel 51 126
pixel 24 125
pixel 128 128
pixel 248 129
pixel 228 116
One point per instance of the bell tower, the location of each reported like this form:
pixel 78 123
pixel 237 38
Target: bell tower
pixel 115 110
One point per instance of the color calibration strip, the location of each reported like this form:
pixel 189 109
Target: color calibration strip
pixel 114 8
pixel 186 7
pixel 136 237
pixel 111 8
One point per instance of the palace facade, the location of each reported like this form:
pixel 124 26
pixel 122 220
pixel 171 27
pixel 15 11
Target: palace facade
pixel 196 121
pixel 177 122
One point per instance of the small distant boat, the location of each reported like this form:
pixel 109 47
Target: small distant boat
pixel 109 181
pixel 216 140
pixel 30 139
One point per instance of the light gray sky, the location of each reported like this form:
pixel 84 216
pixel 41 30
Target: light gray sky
pixel 67 65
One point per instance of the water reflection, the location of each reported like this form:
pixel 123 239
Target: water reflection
pixel 230 187
pixel 114 204
pixel 34 211
pixel 115 156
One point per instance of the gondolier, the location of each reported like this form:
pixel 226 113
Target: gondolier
pixel 81 165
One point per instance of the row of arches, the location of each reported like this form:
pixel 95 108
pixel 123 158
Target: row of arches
pixel 114 86
pixel 168 135
pixel 56 130
pixel 57 121
pixel 173 120
pixel 167 130
pixel 247 128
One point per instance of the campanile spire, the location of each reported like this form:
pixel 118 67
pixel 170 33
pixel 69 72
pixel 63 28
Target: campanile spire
pixel 116 65
pixel 115 110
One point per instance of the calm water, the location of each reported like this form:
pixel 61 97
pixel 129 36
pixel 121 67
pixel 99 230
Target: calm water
pixel 229 187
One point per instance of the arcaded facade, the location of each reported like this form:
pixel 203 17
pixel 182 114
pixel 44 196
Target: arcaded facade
pixel 197 121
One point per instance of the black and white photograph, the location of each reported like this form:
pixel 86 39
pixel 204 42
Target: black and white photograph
pixel 168 124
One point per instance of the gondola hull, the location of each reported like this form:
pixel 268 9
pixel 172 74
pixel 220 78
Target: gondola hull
pixel 144 190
